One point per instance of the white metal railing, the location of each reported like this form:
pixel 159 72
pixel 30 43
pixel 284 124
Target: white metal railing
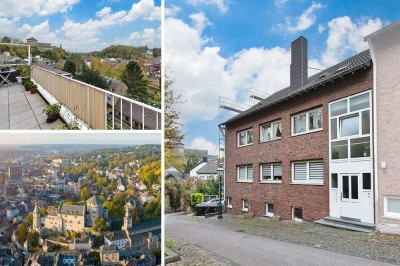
pixel 98 108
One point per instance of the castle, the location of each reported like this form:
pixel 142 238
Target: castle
pixel 68 217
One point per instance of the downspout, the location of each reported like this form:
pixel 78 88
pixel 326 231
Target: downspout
pixel 375 138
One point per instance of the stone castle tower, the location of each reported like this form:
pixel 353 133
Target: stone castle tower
pixel 36 219
pixel 127 219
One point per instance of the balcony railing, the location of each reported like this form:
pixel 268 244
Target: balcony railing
pixel 97 108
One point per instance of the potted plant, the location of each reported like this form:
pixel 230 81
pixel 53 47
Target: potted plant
pixel 52 111
pixel 33 88
pixel 25 72
pixel 28 84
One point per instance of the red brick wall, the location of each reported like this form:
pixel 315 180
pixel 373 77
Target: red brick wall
pixel 313 199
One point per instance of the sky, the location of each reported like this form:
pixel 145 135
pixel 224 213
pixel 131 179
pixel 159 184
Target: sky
pixel 226 48
pixel 77 137
pixel 83 25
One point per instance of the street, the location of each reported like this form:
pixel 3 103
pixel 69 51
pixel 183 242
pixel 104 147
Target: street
pixel 247 249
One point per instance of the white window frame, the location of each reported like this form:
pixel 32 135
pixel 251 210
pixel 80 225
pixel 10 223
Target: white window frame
pixel 307 181
pixel 247 173
pixel 247 132
pixel 386 213
pixel 349 138
pixel 269 214
pixel 248 205
pixel 229 202
pixel 272 173
pixel 307 113
pixel 271 124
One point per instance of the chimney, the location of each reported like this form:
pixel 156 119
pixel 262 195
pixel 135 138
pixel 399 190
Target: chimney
pixel 299 64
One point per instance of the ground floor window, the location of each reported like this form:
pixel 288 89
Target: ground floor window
pixel 269 209
pixel 297 214
pixel 228 202
pixel 308 172
pixel 392 207
pixel 245 205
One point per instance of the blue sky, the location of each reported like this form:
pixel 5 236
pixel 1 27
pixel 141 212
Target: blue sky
pixel 226 46
pixel 83 25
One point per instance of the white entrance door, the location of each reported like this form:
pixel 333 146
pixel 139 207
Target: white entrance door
pixel 350 206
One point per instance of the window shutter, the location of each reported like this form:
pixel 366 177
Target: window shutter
pixel 266 171
pixel 278 170
pixel 242 173
pixel 316 170
pixel 300 171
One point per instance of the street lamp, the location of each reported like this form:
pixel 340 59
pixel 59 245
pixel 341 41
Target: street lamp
pixel 220 172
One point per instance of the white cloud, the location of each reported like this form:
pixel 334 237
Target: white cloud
pixel 202 143
pixel 321 28
pixel 279 3
pixel 28 8
pixel 346 37
pixel 221 5
pixel 150 37
pixel 305 20
pixel 144 9
pixel 105 11
pixel 200 21
pixel 171 11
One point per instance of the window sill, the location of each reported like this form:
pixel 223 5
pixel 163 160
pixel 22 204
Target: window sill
pixel 229 206
pixel 241 146
pixel 248 182
pixel 307 183
pixel 270 182
pixel 270 140
pixel 269 215
pixel 391 217
pixel 245 210
pixel 307 132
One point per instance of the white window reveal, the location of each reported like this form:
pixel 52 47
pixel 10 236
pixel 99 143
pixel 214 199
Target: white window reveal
pixel 392 207
pixel 245 137
pixel 245 173
pixel 269 209
pixel 271 173
pixel 309 121
pixel 229 202
pixel 310 172
pixel 245 205
pixel 271 131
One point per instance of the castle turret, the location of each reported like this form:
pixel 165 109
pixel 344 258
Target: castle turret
pixel 36 219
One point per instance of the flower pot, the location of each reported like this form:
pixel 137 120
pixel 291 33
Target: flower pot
pixel 52 117
pixel 33 90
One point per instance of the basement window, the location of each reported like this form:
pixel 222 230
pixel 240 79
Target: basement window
pixel 245 205
pixel 297 214
pixel 269 209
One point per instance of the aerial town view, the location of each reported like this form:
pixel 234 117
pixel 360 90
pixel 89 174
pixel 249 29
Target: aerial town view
pixel 68 200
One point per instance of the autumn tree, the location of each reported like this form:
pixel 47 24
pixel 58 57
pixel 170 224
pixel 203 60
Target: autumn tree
pixel 136 81
pixel 92 77
pixel 99 224
pixel 22 232
pixel 85 194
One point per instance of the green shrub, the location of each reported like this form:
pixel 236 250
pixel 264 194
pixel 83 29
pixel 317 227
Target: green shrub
pixel 196 198
pixel 52 109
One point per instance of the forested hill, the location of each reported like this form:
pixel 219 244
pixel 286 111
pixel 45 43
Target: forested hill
pixel 122 51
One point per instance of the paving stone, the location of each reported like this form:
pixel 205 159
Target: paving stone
pixel 15 119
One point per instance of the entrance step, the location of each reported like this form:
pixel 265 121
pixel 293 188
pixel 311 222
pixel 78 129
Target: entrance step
pixel 347 224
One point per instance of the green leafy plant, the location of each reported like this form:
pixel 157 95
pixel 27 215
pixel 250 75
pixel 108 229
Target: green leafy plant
pixel 28 84
pixel 196 198
pixel 52 109
pixel 25 71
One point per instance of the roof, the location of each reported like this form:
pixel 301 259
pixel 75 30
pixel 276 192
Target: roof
pixel 95 201
pixel 52 69
pixel 116 235
pixel 339 70
pixel 107 248
pixel 72 209
pixel 209 168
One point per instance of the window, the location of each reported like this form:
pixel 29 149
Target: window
pixel 392 207
pixel 245 205
pixel 307 122
pixel 228 202
pixel 334 181
pixel 297 214
pixel 245 137
pixel 367 182
pixel 350 127
pixel 245 173
pixel 271 131
pixel 271 172
pixel 269 209
pixel 308 172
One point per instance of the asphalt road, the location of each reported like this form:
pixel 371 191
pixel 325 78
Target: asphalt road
pixel 246 249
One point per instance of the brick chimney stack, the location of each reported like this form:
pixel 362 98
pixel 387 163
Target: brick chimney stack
pixel 299 64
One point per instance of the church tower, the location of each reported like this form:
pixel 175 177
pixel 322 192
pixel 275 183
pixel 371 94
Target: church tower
pixel 127 219
pixel 36 219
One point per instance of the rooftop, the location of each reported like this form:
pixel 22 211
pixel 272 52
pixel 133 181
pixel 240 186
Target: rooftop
pixel 19 109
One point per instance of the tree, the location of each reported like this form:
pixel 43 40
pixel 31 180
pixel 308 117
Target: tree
pixel 29 218
pixel 85 194
pixel 172 130
pixel 5 39
pixel 70 67
pixel 92 77
pixel 22 232
pixel 137 83
pixel 99 224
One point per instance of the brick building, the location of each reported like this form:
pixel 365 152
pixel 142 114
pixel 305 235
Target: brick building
pixel 304 152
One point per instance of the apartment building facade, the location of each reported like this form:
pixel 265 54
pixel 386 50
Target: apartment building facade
pixel 305 152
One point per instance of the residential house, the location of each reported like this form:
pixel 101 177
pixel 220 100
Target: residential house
pixel 384 45
pixel 304 153
pixel 208 171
